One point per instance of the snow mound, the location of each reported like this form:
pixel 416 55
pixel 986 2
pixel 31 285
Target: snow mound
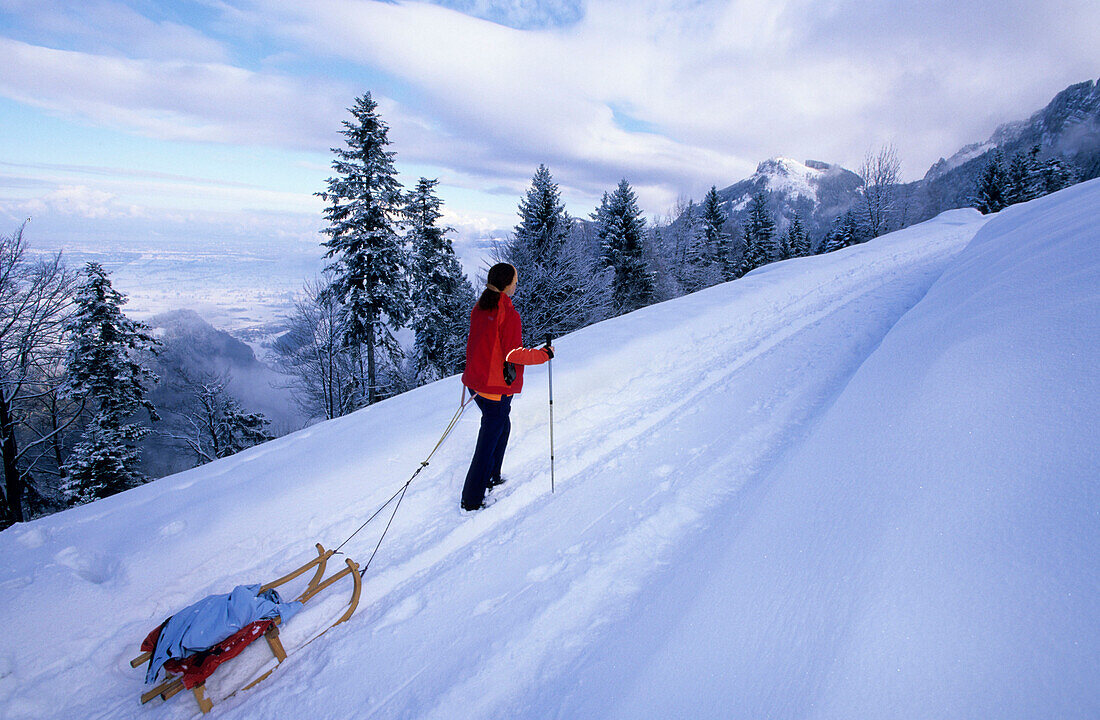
pixel 930 550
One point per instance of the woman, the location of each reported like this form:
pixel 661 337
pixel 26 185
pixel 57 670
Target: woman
pixel 494 371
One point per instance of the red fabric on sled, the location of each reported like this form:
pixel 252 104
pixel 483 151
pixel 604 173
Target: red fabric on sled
pixel 196 668
pixel 149 644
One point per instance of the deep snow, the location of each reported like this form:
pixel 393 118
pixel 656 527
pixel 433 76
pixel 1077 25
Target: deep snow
pixel 854 485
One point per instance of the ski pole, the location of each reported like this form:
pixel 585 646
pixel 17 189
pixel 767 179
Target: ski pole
pixel 550 377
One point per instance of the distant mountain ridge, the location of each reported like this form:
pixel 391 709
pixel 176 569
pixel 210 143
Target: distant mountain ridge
pixel 1068 127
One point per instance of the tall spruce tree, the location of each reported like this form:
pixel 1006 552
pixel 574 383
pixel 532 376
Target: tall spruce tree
pixel 698 270
pixel 105 373
pixel 992 189
pixel 783 246
pixel 845 232
pixel 558 290
pixel 1023 179
pixel 1056 175
pixel 620 228
pixel 798 240
pixel 236 429
pixel 442 296
pixel 717 237
pixel 759 236
pixel 369 273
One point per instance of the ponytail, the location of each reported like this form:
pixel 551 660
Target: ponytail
pixel 501 276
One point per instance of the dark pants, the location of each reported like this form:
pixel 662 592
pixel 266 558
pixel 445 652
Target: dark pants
pixel 492 440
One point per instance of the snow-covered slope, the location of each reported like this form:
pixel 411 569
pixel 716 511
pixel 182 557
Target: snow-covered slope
pixel 930 551
pixel 815 491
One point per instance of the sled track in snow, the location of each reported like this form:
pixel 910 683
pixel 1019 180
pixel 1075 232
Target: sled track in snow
pixel 516 502
pixel 654 522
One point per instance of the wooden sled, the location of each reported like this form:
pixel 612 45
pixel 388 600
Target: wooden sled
pixel 268 628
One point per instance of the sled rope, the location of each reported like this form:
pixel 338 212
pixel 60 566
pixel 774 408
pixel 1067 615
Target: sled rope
pixel 317 584
pixel 400 494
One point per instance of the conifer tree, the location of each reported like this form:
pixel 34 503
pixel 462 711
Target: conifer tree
pixel 798 240
pixel 369 272
pixel 717 238
pixel 992 186
pixel 783 245
pixel 620 228
pixel 845 232
pixel 698 269
pixel 442 296
pixel 558 290
pixel 1056 175
pixel 105 373
pixel 759 236
pixel 1023 180
pixel 238 429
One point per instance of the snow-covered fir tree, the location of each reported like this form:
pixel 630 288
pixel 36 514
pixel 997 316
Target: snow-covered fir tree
pixel 559 291
pixel 104 372
pixel 1056 174
pixel 236 429
pixel 797 239
pixel 1024 179
pixel 992 186
pixel 761 247
pixel 698 269
pixel 845 232
pixel 621 229
pixel 369 272
pixel 442 295
pixel 783 246
pixel 718 237
pixel 661 254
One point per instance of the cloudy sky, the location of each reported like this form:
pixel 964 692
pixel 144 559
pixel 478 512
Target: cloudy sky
pixel 132 121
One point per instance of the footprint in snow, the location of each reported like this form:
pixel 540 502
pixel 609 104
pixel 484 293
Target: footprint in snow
pixel 34 538
pixel 489 605
pixel 173 528
pixel 545 572
pixel 92 566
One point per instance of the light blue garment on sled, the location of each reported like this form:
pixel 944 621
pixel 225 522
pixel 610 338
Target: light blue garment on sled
pixel 213 619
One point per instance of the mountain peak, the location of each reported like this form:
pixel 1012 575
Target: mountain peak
pixel 789 177
pixel 788 167
pixel 816 191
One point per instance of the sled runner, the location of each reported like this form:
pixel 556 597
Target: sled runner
pixel 192 671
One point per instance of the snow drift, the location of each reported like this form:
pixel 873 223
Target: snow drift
pixel 854 485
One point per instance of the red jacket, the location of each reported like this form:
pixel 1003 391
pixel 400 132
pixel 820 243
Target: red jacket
pixel 496 338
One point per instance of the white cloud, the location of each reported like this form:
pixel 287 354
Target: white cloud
pixel 720 85
pixel 173 99
pixel 726 83
pixel 111 28
pixel 81 201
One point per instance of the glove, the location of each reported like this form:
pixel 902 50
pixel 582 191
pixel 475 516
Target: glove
pixel 549 352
